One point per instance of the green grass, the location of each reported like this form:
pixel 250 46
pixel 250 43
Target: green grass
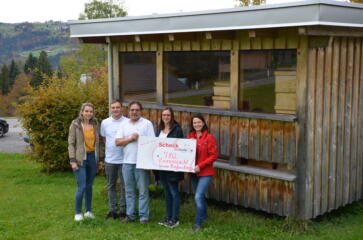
pixel 35 205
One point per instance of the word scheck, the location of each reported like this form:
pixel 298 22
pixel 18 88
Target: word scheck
pixel 169 145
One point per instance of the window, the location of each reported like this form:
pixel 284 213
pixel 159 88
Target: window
pixel 268 81
pixel 138 76
pixel 197 78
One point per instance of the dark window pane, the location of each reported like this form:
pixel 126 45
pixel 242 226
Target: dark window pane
pixel 268 81
pixel 197 78
pixel 138 76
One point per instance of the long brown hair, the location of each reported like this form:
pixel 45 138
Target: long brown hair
pixel 161 123
pixel 205 127
pixel 84 105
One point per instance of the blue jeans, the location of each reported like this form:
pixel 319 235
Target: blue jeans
pixel 85 176
pixel 136 177
pixel 172 197
pixel 200 185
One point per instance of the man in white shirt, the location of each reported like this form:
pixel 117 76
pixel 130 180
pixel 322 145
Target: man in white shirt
pixel 114 159
pixel 127 136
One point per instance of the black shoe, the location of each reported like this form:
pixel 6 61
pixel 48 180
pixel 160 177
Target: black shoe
pixel 195 228
pixel 112 215
pixel 144 222
pixel 127 219
pixel 172 223
pixel 164 221
pixel 122 215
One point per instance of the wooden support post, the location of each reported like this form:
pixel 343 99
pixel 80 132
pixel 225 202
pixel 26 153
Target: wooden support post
pixel 110 70
pixel 234 83
pixel 116 72
pixel 159 77
pixel 303 186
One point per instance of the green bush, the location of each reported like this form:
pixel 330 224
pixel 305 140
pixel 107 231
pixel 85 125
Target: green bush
pixel 47 112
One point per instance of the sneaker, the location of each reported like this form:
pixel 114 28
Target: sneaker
pixel 78 217
pixel 164 221
pixel 195 228
pixel 127 219
pixel 122 215
pixel 112 215
pixel 144 222
pixel 172 223
pixel 89 215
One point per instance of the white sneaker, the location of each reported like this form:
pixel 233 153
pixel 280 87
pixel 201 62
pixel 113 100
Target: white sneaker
pixel 89 215
pixel 78 217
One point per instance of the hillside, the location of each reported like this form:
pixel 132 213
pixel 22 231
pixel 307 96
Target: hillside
pixel 19 39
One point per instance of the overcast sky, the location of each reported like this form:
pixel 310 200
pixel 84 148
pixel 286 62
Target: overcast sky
pixel 14 11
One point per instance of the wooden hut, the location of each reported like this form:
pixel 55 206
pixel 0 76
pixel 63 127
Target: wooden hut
pixel 281 87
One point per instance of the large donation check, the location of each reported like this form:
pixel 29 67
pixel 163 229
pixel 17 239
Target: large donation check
pixel 172 154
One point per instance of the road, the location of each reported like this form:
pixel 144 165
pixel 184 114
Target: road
pixel 13 142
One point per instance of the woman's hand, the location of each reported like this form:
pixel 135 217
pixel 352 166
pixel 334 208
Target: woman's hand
pixel 74 166
pixel 197 169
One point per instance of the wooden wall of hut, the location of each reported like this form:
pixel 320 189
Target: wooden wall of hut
pixel 269 144
pixel 334 121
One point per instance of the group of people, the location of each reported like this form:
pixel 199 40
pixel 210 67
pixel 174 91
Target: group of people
pixel 120 135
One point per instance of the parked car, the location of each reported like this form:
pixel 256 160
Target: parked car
pixel 4 127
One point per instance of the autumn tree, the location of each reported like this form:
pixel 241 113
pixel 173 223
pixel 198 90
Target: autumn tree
pixel 103 9
pixel 43 68
pixel 246 3
pixel 30 63
pixel 13 73
pixel 4 80
pixel 357 1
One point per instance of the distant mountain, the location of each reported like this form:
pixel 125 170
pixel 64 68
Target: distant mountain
pixel 19 39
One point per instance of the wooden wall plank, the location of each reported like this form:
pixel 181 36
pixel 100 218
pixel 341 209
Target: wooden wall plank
pixel 355 108
pixel 302 165
pixel 185 122
pixel 264 192
pixel 256 43
pixel 340 126
pixel 280 42
pixel 205 45
pixel 266 140
pixel 186 46
pixel 267 43
pixel 245 43
pixel 177 46
pixel 130 47
pixel 290 145
pixel 233 139
pixel 243 139
pixel 216 44
pixel 137 47
pixel 195 45
pixel 310 147
pixel 145 46
pixel 153 46
pixel 318 131
pixel 226 45
pixel 214 126
pixel 254 140
pixel 122 47
pixel 347 121
pixel 224 137
pixel 277 142
pixel 360 126
pixel 326 128
pixel 333 124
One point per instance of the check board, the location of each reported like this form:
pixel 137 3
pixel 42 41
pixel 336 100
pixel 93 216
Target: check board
pixel 171 154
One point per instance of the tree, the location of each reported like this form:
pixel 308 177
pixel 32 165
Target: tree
pixel 357 1
pixel 30 63
pixel 102 9
pixel 13 72
pixel 5 80
pixel 246 3
pixel 43 69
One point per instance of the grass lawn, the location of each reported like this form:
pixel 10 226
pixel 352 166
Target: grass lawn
pixel 34 205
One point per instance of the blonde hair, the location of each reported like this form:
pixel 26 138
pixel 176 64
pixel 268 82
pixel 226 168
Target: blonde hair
pixel 84 105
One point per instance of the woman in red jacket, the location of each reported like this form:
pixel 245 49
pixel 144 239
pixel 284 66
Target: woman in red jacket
pixel 206 155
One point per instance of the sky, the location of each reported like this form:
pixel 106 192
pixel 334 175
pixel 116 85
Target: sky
pixel 15 11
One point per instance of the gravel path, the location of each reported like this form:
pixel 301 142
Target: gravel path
pixel 13 142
